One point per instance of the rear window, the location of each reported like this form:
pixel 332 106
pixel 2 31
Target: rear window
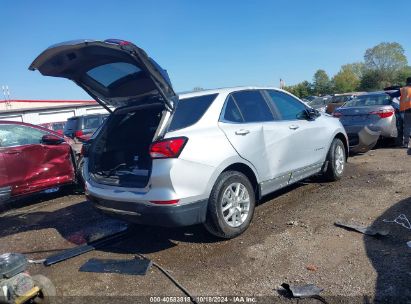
pixel 71 125
pixel 369 100
pixel 108 74
pixel 190 110
pixel 92 122
pixel 57 126
pixel 339 99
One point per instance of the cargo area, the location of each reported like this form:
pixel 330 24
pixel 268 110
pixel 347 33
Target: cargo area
pixel 121 149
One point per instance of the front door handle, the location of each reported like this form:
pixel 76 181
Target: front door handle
pixel 293 127
pixel 242 132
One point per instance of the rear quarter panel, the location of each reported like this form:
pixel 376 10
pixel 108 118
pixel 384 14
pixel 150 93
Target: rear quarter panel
pixel 206 154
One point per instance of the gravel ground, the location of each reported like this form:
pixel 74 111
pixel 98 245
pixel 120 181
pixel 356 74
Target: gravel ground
pixel 292 239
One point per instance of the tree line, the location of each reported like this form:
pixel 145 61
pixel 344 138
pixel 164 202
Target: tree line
pixel 384 65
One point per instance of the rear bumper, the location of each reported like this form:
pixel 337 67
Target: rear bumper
pixel 166 216
pixel 361 139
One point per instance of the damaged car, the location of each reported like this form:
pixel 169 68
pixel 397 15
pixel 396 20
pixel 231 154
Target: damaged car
pixel 202 157
pixel 369 117
pixel 33 159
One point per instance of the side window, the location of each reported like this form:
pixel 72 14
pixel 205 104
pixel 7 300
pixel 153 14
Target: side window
pixel 231 111
pixel 253 106
pixel 288 107
pixel 190 110
pixel 16 135
pixel 92 122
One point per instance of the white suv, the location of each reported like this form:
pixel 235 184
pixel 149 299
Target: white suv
pixel 203 157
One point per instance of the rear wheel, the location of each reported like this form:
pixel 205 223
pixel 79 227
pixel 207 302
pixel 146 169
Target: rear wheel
pixel 230 206
pixel 336 161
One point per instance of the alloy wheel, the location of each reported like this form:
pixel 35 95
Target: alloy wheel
pixel 235 204
pixel 339 159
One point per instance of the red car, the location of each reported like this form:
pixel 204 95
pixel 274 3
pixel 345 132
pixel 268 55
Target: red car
pixel 33 159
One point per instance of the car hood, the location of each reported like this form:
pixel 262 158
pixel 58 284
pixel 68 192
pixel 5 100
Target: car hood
pixel 115 73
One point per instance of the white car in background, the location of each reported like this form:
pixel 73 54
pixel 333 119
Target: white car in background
pixel 203 157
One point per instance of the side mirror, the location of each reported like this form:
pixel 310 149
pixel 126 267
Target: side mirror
pixel 49 139
pixel 312 114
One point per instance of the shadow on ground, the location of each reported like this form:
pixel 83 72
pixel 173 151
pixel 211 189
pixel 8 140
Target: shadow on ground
pixel 75 221
pixel 390 255
pixel 38 198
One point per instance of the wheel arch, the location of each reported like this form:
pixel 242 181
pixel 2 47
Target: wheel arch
pixel 248 172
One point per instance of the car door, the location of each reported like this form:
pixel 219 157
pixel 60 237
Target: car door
pixel 244 115
pixel 32 166
pixel 296 143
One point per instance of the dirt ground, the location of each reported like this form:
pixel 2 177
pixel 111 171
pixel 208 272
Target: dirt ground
pixel 292 239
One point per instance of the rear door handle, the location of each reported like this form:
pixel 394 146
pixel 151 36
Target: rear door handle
pixel 293 127
pixel 242 132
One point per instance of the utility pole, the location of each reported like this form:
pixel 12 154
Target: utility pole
pixel 282 83
pixel 6 93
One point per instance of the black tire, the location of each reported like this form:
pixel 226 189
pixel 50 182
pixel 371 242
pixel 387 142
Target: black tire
pixel 332 173
pixel 47 292
pixel 215 222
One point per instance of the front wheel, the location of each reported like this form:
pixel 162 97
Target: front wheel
pixel 336 161
pixel 230 206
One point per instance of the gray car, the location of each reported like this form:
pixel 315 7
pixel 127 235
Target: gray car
pixel 368 117
pixel 202 157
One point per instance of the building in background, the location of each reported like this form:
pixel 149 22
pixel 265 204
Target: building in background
pixel 46 111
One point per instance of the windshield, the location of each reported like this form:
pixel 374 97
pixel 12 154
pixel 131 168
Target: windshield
pixel 369 100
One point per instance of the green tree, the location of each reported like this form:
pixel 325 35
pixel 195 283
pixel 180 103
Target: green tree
pixel 348 79
pixel 402 75
pixel 371 81
pixel 383 64
pixel 321 83
pixel 302 89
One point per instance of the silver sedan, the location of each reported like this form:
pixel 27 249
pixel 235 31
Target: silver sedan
pixel 368 117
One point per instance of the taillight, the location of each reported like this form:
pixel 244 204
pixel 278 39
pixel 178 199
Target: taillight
pixel 383 113
pixel 78 133
pixel 168 148
pixel 337 114
pixel 170 202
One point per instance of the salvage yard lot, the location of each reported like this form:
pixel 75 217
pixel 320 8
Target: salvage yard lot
pixel 292 230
